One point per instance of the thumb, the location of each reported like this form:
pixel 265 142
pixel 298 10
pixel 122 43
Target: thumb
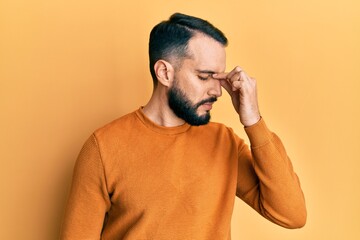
pixel 220 76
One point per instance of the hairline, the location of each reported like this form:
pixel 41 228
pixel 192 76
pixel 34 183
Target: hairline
pixel 178 60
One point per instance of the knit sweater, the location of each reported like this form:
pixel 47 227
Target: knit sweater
pixel 137 180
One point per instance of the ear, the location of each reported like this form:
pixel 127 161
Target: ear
pixel 164 72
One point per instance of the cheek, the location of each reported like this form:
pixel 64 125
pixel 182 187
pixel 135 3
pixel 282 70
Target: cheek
pixel 195 90
pixel 192 86
pixel 188 83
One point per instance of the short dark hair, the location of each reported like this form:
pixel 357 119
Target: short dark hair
pixel 171 37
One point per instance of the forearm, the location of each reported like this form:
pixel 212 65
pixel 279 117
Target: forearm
pixel 277 194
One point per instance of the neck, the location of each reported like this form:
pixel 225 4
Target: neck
pixel 158 110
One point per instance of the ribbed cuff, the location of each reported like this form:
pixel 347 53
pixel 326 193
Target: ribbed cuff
pixel 258 134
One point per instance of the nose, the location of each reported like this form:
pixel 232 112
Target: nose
pixel 215 88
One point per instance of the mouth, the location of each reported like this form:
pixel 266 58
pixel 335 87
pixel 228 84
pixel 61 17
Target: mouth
pixel 207 106
pixel 207 103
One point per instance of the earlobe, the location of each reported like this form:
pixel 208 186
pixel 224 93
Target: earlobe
pixel 164 72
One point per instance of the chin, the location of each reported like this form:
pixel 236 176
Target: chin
pixel 202 113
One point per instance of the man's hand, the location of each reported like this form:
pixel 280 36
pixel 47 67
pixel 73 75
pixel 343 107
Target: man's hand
pixel 243 92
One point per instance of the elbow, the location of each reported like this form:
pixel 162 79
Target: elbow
pixel 297 215
pixel 290 219
pixel 298 220
pixel 298 223
pixel 302 220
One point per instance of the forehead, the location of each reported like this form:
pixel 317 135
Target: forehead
pixel 206 54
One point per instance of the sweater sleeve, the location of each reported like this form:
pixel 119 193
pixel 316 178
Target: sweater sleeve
pixel 89 199
pixel 267 181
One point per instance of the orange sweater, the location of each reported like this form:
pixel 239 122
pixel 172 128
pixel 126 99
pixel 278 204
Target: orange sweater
pixel 137 180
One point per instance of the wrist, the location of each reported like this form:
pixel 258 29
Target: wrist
pixel 250 121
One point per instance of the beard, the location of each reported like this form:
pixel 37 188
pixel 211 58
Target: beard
pixel 184 109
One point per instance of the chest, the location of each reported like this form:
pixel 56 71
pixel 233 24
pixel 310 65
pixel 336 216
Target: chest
pixel 152 172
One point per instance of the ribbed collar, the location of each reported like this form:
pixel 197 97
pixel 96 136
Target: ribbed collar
pixel 161 129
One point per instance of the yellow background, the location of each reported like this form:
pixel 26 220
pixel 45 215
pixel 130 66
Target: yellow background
pixel 68 67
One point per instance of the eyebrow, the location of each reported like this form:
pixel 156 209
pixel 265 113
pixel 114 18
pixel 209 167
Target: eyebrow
pixel 206 71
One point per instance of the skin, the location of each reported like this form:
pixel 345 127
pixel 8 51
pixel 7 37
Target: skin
pixel 202 76
pixel 243 92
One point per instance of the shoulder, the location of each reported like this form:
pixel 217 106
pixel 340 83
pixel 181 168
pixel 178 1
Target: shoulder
pixel 117 127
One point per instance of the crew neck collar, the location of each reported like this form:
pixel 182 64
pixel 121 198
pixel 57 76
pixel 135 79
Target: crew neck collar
pixel 158 128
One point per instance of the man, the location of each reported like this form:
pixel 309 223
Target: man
pixel 165 171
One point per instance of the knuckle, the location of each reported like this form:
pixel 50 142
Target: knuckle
pixel 238 69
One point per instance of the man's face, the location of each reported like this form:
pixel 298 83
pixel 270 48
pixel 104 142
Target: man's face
pixel 185 109
pixel 193 90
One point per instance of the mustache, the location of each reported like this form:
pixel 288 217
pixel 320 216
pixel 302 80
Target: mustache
pixel 208 100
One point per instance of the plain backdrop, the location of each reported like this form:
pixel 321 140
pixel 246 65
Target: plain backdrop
pixel 69 67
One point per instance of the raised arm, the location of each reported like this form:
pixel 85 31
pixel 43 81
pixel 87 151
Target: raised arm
pixel 266 179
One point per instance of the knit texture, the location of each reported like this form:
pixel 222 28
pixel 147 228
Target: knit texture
pixel 136 180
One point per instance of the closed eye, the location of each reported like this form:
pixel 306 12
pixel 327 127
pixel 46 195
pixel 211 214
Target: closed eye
pixel 204 77
pixel 204 74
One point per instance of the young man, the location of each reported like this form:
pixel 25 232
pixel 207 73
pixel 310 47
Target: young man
pixel 164 171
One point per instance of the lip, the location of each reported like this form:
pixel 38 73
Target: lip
pixel 207 106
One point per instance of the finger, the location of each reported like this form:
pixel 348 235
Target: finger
pixel 229 86
pixel 237 85
pixel 228 75
pixel 220 76
pixel 234 72
pixel 225 84
pixel 244 76
pixel 235 77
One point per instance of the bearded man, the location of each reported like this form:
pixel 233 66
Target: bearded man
pixel 165 171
